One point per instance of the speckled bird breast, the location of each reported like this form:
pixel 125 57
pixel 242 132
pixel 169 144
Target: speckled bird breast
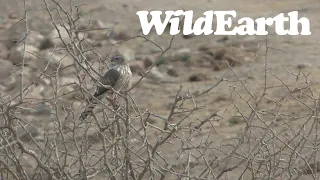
pixel 125 76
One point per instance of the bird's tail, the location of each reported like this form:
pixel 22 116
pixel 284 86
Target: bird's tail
pixel 88 110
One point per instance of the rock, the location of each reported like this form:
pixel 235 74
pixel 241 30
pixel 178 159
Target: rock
pixel 4 52
pixel 232 60
pixel 224 62
pixel 118 32
pixel 91 24
pixel 155 74
pixel 148 61
pixel 6 68
pixel 50 62
pixel 46 44
pixel 158 77
pixel 220 54
pixel 58 58
pixel 152 120
pixel 76 105
pixel 13 15
pixel 16 54
pixel 7 79
pixel 200 60
pixel 54 39
pixel 95 30
pixel 8 84
pixel 248 59
pixel 37 91
pixel 30 165
pixel 35 39
pixel 3 22
pixel 96 36
pixel 30 75
pixel 217 59
pixel 188 36
pixel 99 34
pixel 136 66
pixel 198 77
pixel 154 49
pixel 208 50
pixel 15 33
pixel 25 133
pixel 223 39
pixel 304 65
pixel 172 71
pixel 183 54
pixel 184 51
pixel 204 48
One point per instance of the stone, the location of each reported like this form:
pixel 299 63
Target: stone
pixel 4 51
pixel 184 51
pixel 183 54
pixel 204 48
pixel 7 79
pixel 15 33
pixel 155 74
pixel 119 32
pixel 91 24
pixel 54 39
pixel 6 67
pixel 46 44
pixel 13 15
pixel 35 39
pixel 220 54
pixel 217 58
pixel 172 71
pixel 25 133
pixel 100 33
pixel 198 77
pixel 148 61
pixel 223 39
pixel 304 65
pixel 136 66
pixel 17 53
pixel 57 58
pixel 189 36
pixel 51 62
pixel 96 30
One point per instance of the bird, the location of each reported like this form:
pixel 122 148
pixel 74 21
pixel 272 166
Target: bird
pixel 116 78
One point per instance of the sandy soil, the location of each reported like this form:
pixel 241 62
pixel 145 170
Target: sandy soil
pixel 287 53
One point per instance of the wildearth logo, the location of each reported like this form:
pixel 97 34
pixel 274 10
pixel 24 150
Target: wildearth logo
pixel 203 25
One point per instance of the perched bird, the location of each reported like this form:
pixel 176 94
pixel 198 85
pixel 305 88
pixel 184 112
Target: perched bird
pixel 117 77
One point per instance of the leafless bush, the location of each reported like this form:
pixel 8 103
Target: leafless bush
pixel 119 143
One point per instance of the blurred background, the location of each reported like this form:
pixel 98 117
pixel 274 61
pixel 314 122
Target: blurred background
pixel 290 66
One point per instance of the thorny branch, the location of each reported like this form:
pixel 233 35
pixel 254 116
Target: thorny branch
pixel 126 141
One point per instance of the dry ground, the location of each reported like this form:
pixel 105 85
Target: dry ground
pixel 288 52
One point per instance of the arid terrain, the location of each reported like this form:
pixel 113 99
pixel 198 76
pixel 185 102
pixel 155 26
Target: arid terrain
pixel 251 102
